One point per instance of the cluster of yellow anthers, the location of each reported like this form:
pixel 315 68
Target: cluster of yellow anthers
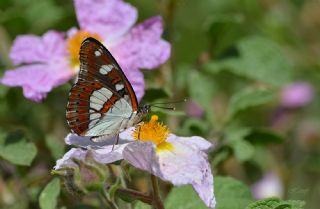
pixel 155 132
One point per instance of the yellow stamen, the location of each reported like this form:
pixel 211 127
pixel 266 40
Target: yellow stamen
pixel 74 44
pixel 155 132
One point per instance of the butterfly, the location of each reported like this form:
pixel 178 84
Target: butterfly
pixel 102 102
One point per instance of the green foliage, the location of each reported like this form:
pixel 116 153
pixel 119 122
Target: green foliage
pixel 183 197
pixel 231 194
pixel 55 146
pixel 89 176
pixel 248 98
pixel 263 136
pixel 153 94
pixel 141 205
pixel 17 149
pixel 260 59
pixel 201 90
pixel 224 31
pixel 276 203
pixel 243 150
pixel 49 195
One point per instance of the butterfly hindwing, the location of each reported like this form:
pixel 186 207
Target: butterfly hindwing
pixel 102 100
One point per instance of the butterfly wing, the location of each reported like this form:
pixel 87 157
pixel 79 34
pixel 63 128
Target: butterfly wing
pixel 102 101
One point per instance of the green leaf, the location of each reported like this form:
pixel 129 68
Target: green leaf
pixel 152 94
pixel 295 204
pixel 243 150
pixel 235 135
pixel 248 98
pixel 195 126
pixel 184 197
pixel 55 146
pixel 17 149
pixel 231 193
pixel 260 59
pixel 48 196
pixel 220 157
pixel 50 13
pixel 276 203
pixel 141 205
pixel 234 132
pixel 3 91
pixel 201 90
pixel 225 30
pixel 264 136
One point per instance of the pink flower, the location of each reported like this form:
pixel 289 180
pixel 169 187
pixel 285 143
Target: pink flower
pixel 51 60
pixel 180 160
pixel 193 109
pixel 296 95
pixel 268 186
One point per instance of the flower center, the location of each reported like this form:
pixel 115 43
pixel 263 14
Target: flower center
pixel 74 44
pixel 155 132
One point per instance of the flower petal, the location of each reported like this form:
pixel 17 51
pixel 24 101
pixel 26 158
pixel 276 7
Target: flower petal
pixel 108 154
pixel 186 165
pixel 196 142
pixel 110 18
pixel 142 155
pixel 183 165
pixel 104 155
pixel 84 141
pixel 143 47
pixel 66 160
pixel 136 79
pixel 127 134
pixel 30 48
pixel 38 79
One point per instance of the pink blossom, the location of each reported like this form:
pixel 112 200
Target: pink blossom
pixel 48 61
pixel 296 95
pixel 193 109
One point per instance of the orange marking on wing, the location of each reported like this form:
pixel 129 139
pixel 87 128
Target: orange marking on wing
pixel 114 75
pixel 132 96
pixel 107 105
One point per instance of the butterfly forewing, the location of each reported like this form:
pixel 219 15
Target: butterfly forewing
pixel 102 99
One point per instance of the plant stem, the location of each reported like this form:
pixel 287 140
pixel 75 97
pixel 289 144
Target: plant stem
pixel 136 195
pixel 124 184
pixel 157 202
pixel 111 204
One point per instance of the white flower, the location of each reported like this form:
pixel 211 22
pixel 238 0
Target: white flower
pixel 150 147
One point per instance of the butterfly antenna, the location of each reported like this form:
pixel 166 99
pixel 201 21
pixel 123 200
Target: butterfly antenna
pixel 166 108
pixel 173 102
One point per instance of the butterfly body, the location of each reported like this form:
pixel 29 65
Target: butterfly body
pixel 102 103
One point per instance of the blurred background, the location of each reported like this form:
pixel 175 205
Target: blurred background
pixel 249 68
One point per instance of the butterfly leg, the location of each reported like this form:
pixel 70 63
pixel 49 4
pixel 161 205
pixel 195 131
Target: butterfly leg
pixel 116 141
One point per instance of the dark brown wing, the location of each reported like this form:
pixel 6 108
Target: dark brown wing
pixel 101 83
